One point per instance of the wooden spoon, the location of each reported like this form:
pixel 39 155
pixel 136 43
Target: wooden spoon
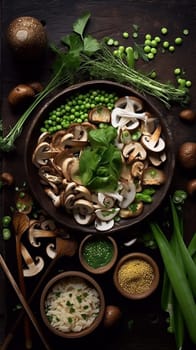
pixel 21 223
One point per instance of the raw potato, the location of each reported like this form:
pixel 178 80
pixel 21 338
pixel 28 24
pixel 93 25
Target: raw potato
pixel 27 38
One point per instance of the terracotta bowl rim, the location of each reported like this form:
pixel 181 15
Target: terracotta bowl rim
pixel 155 281
pixel 102 269
pixel 90 280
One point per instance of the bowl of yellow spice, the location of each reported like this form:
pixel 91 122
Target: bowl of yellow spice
pixel 136 275
pixel 98 253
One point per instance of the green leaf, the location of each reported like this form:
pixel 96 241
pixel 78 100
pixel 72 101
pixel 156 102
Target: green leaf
pixel 80 24
pixel 91 45
pixel 104 137
pixel 74 42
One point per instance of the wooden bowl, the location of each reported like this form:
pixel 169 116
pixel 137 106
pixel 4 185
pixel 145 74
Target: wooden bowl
pixel 72 302
pixel 102 254
pixel 136 276
pixel 33 178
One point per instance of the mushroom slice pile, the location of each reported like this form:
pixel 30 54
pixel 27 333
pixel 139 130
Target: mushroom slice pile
pixel 143 150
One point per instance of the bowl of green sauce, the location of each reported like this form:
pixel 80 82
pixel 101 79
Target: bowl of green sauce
pixel 98 253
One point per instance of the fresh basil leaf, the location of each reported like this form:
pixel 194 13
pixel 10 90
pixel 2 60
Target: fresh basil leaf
pixel 80 24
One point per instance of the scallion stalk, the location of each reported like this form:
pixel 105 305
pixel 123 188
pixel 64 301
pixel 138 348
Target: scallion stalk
pixel 188 262
pixel 178 281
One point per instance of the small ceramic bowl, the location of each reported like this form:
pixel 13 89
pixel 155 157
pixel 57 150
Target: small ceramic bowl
pixel 67 302
pixel 136 276
pixel 98 253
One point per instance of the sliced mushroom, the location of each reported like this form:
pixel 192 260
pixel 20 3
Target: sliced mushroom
pixel 106 214
pixel 128 192
pixel 48 175
pixel 83 211
pixel 153 176
pixel 82 192
pixel 104 225
pixel 137 169
pixel 107 199
pixel 134 151
pixel 35 231
pixel 33 267
pixel 56 138
pixel 44 137
pixel 148 126
pixel 136 210
pixel 124 136
pixel 154 142
pixel 56 199
pixel 70 166
pixel 130 102
pixel 126 113
pixel 100 114
pixel 42 154
pixel 68 202
pixel 157 158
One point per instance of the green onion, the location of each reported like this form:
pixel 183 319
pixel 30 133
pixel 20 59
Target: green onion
pixel 189 264
pixel 178 281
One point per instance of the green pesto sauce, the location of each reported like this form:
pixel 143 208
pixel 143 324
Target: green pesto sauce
pixel 98 253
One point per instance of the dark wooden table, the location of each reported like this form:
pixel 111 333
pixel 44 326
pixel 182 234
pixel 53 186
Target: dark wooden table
pixel 108 18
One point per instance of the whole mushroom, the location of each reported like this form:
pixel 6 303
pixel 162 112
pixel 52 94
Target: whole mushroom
pixel 27 38
pixel 187 155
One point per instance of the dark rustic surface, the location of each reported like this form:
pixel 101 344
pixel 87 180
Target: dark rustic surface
pixel 108 18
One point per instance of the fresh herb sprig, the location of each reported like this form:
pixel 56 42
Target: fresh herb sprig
pixel 106 65
pixel 65 68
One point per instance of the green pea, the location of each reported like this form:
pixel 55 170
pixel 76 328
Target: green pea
pixel 116 42
pixel 153 75
pixel 147 42
pixel 153 50
pixel 178 41
pixel 164 30
pixel 6 220
pixel 177 71
pixel 166 44
pixel 6 233
pixel 148 36
pixel 188 83
pixel 150 55
pixel 157 39
pixel 135 35
pixel 125 35
pixel 154 43
pixel 185 31
pixel 110 42
pixel 147 49
pixel 171 48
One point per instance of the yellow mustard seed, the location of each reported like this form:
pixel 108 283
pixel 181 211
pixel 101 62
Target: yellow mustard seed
pixel 135 276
